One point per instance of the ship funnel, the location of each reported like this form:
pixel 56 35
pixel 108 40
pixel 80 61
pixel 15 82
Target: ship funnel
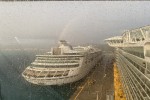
pixel 63 42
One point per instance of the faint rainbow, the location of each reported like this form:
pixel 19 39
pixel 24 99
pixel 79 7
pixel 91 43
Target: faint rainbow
pixel 64 32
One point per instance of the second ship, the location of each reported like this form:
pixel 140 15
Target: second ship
pixel 64 64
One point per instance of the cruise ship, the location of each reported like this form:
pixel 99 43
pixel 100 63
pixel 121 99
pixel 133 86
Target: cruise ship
pixel 132 51
pixel 63 64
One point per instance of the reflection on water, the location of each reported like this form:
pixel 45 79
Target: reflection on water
pixel 15 87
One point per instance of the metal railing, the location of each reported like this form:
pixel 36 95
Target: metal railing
pixel 133 78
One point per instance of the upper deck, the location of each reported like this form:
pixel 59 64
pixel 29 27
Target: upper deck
pixel 134 37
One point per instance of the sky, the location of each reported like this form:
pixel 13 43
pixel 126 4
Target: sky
pixel 79 22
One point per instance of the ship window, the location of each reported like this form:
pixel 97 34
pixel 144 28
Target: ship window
pixel 66 73
pixel 49 75
pixel 58 75
pixel 60 72
pixel 147 53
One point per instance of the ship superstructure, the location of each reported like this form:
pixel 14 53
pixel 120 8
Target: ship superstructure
pixel 63 64
pixel 133 62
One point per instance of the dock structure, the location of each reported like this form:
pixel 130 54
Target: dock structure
pixel 97 84
pixel 119 94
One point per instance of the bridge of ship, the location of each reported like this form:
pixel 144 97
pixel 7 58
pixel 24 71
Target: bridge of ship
pixel 130 37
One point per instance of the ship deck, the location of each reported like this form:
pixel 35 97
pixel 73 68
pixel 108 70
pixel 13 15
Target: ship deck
pixel 99 84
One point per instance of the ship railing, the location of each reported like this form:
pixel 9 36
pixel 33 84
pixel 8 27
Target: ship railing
pixel 140 79
pixel 42 74
pixel 56 61
pixel 132 86
pixel 115 41
pixel 115 44
pixel 127 84
pixel 52 64
pixel 125 43
pixel 45 74
pixel 59 56
pixel 70 58
pixel 143 88
pixel 123 80
pixel 146 86
pixel 137 62
pixel 137 40
pixel 55 66
pixel 138 54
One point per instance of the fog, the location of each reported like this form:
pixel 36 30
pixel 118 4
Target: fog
pixel 43 23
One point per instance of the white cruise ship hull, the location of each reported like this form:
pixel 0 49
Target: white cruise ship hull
pixel 76 74
pixel 64 64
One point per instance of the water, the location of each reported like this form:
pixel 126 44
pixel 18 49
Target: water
pixel 14 87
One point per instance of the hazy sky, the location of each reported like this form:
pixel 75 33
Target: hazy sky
pixel 78 22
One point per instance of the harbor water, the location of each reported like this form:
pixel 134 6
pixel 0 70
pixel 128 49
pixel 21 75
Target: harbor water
pixel 14 87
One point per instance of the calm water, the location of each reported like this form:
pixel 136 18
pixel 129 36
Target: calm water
pixel 15 87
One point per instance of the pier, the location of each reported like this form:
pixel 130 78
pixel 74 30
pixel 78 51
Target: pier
pixel 99 84
pixel 119 94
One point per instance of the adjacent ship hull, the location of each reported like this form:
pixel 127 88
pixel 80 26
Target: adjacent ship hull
pixel 62 65
pixel 133 62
